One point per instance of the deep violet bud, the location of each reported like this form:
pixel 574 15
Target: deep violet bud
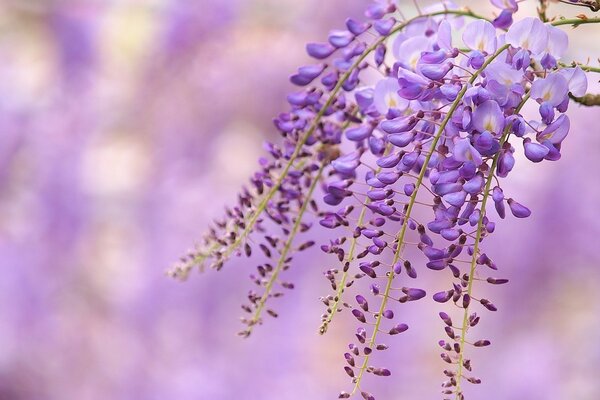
pixel 340 38
pixel 362 302
pixel 359 315
pixel 535 151
pixel 506 162
pixel 414 294
pixel 412 86
pixel 307 74
pixel 389 161
pixel 398 329
pixel 476 59
pixel 474 185
pixel 446 318
pixel 380 53
pixel 435 71
pixel 359 133
pixel 498 197
pixel 518 210
pixel 376 145
pixel 504 20
pixel 319 51
pixel 384 26
pixel 487 304
pixel 442 297
pixel 356 27
pixel 398 125
pixel 401 139
pixel 347 164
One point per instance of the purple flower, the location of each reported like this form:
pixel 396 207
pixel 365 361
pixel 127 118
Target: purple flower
pixel 577 80
pixel 535 151
pixel 386 96
pixel 556 132
pixel 529 34
pixel 465 152
pixel 488 117
pixel 480 35
pixel 552 89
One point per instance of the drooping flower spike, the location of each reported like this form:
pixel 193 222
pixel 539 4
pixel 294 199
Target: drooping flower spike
pixel 394 115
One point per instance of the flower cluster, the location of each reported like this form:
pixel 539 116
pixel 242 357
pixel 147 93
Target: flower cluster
pixel 411 131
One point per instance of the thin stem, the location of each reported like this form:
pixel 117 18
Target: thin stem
pixel 586 68
pixel 575 21
pixel 478 238
pixel 341 285
pixel 286 250
pixel 411 204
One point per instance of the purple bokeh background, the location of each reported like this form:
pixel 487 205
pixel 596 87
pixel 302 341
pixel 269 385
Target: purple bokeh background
pixel 124 128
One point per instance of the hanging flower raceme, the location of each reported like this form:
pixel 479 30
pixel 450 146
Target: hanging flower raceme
pixel 408 131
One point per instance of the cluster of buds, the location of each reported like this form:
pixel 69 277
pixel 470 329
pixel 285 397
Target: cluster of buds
pixel 395 116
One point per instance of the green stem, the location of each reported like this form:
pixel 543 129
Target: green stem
pixel 341 285
pixel 478 238
pixel 575 21
pixel 586 68
pixel 413 197
pixel 285 251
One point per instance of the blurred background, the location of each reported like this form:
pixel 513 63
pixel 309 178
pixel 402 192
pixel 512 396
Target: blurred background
pixel 126 125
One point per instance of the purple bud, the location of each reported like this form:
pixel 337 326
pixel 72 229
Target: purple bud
pixel 534 151
pixel 446 318
pixel 384 26
pixel 401 139
pixel 388 177
pixel 495 281
pixel 518 210
pixel 307 74
pixel 398 329
pixel 398 125
pixel 504 20
pixel 389 161
pixel 319 50
pixel 414 294
pixel 456 199
pixel 362 302
pixel 442 297
pixel 376 145
pixel 450 234
pixel 487 304
pixel 340 38
pixel 389 314
pixel 359 133
pixel 359 315
pixel 356 27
